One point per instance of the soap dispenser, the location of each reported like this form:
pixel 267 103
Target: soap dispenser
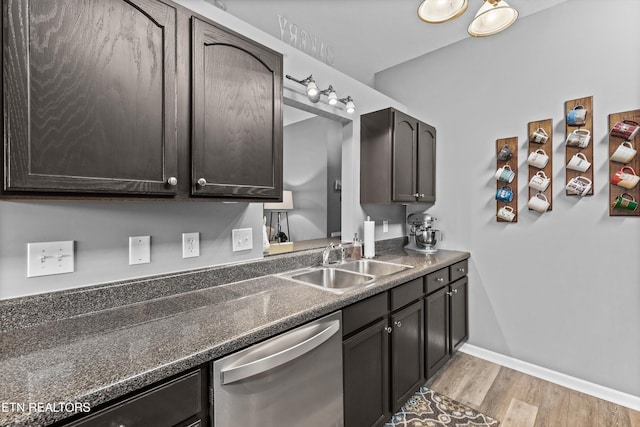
pixel 356 252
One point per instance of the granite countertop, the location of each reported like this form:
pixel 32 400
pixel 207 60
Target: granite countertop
pixel 96 357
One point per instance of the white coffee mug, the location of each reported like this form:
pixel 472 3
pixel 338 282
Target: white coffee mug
pixel 538 159
pixel 506 213
pixel 539 203
pixel 540 181
pixel 539 136
pixel 624 153
pixel 505 174
pixel 579 185
pixel 579 162
pixel 579 138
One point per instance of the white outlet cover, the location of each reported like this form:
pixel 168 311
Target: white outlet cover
pixel 47 258
pixel 385 226
pixel 190 245
pixel 242 239
pixel 139 250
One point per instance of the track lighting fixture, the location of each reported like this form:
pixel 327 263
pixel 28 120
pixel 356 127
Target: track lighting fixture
pixel 313 93
pixel 350 107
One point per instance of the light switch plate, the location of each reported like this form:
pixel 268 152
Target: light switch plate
pixel 242 239
pixel 139 250
pixel 46 258
pixel 190 245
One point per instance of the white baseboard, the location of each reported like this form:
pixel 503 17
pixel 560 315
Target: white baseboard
pixel 601 392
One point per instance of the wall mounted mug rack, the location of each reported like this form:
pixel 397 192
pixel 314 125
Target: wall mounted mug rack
pixel 578 131
pixel 507 155
pixel 621 187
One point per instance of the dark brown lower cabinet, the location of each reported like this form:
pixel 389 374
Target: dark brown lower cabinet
pixel 447 324
pixel 383 362
pixel 366 376
pixel 437 330
pixel 407 353
pixel 459 305
pixel 179 402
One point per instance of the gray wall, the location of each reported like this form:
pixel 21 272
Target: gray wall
pixel 101 231
pixel 559 290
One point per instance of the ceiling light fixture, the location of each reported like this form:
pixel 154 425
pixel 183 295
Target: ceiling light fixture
pixel 494 15
pixel 313 93
pixel 439 11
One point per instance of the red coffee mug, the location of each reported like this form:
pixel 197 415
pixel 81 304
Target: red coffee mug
pixel 627 179
pixel 626 129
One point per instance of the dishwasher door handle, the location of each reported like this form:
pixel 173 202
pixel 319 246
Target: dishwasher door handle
pixel 293 351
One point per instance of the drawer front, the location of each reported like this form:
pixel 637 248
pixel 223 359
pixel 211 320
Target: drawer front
pixel 436 280
pixel 458 270
pixel 165 405
pixel 364 312
pixel 404 294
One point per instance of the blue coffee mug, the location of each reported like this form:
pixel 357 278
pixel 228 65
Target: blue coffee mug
pixel 577 116
pixel 504 194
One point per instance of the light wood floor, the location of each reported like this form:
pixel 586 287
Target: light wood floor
pixel 520 400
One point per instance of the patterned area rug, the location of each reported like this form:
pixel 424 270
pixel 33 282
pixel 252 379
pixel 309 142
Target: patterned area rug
pixel 428 408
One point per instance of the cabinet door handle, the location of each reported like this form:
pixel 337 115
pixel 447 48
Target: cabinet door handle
pixel 450 294
pixel 461 270
pixel 440 279
pixel 388 329
pixel 455 291
pixel 421 194
pixel 416 195
pixel 398 323
pixel 173 181
pixel 202 182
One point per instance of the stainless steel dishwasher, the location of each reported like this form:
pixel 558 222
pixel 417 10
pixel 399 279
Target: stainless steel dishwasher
pixel 293 379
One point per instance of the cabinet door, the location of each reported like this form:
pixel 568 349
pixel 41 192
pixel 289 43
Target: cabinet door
pixel 237 116
pixel 89 96
pixel 366 377
pixel 426 164
pixel 437 330
pixel 407 353
pixel 459 313
pixel 405 138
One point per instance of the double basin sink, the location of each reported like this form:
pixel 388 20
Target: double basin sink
pixel 343 277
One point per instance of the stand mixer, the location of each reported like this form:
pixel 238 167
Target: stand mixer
pixel 423 238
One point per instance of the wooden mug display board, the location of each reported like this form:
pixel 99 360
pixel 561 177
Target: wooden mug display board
pixel 547 126
pixel 588 150
pixel 614 143
pixel 512 143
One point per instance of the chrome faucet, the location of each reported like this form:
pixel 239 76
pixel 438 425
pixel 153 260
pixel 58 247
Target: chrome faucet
pixel 327 252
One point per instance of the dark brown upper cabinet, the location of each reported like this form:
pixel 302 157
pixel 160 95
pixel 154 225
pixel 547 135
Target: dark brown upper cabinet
pixel 397 158
pixel 236 114
pixel 89 96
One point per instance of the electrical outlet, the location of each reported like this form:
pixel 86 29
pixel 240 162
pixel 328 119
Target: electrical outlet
pixel 190 245
pixel 46 258
pixel 242 239
pixel 385 226
pixel 139 250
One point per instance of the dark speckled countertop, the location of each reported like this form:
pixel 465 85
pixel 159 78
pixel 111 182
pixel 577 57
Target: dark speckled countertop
pixel 96 357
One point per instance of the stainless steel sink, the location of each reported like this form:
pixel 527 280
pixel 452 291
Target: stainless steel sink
pixel 374 268
pixel 330 278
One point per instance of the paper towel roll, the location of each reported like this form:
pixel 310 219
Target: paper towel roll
pixel 369 238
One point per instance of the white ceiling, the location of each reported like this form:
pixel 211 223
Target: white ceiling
pixel 368 35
